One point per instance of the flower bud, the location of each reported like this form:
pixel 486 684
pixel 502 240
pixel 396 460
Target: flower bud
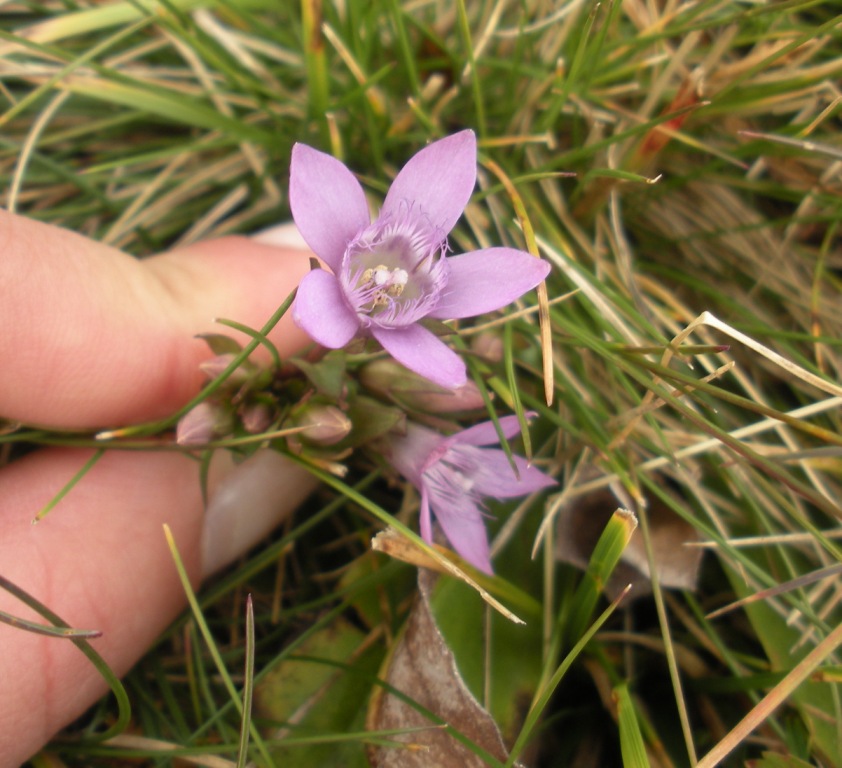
pixel 324 425
pixel 202 424
pixel 488 346
pixel 215 366
pixel 394 382
pixel 256 417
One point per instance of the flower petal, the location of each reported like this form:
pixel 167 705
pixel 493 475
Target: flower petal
pixel 408 453
pixel 437 182
pixel 425 519
pixel 328 204
pixel 321 310
pixel 423 352
pixel 496 479
pixel 485 280
pixel 486 434
pixel 465 529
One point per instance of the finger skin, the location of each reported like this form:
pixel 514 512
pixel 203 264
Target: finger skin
pixel 94 338
pixel 100 561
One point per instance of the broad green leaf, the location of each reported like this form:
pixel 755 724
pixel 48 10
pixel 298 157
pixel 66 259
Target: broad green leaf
pixel 378 586
pixel 774 760
pixel 314 694
pixel 371 419
pixel 510 662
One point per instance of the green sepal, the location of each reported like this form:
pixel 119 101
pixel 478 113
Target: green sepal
pixel 371 419
pixel 327 375
pixel 220 344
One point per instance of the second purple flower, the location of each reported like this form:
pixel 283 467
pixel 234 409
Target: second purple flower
pixel 390 274
pixel 456 474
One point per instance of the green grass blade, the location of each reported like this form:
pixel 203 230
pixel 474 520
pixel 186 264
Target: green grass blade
pixel 632 748
pixel 609 548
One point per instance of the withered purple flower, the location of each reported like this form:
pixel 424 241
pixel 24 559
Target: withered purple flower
pixel 455 474
pixel 389 275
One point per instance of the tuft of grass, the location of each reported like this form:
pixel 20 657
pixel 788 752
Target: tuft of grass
pixel 677 163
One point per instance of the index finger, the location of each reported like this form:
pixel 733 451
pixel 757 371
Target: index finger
pixel 91 337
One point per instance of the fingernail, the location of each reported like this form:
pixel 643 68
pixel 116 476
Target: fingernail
pixel 246 502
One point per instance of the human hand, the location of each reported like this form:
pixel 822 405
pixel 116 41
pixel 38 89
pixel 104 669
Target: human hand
pixel 93 338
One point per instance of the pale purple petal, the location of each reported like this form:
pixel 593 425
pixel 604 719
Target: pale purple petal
pixel 437 181
pixel 496 479
pixel 485 280
pixel 408 453
pixel 425 519
pixel 486 434
pixel 321 310
pixel 423 352
pixel 328 204
pixel 464 527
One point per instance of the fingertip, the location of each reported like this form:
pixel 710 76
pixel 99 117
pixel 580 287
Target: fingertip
pixel 246 501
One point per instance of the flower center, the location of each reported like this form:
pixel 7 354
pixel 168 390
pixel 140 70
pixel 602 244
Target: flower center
pixel 394 271
pixel 383 283
pixel 453 469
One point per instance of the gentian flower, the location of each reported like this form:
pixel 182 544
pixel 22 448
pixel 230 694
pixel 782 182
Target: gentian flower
pixel 389 275
pixel 454 474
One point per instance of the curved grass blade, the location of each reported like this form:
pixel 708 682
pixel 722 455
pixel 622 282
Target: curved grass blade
pixel 48 631
pixel 124 709
pixel 158 426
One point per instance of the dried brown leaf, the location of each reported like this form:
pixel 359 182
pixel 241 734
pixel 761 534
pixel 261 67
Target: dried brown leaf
pixel 422 667
pixel 582 520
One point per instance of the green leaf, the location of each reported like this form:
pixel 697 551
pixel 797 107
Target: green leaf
pixel 509 663
pixel 774 760
pixel 101 17
pixel 378 585
pixel 313 694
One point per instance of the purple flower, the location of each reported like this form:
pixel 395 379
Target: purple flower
pixel 454 474
pixel 389 275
